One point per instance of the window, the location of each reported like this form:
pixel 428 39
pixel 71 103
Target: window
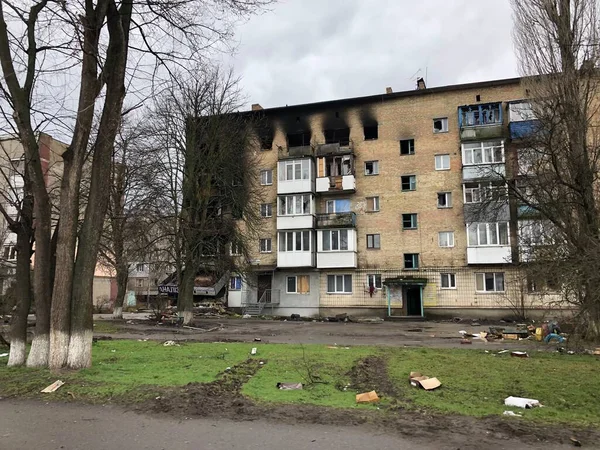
pixel 266 177
pixel 235 283
pixel 139 282
pixel 373 241
pixel 298 139
pixel 440 125
pixel 541 283
pixel 372 168
pixel 236 249
pixel 411 260
pixel 372 204
pixel 298 284
pixel 374 280
pixel 266 210
pixel 335 240
pixel 489 282
pixel 337 206
pixel 448 280
pixel 483 153
pixel 409 221
pixel 339 165
pixel 446 238
pixel 444 200
pixel 478 192
pixel 17 167
pixel 371 132
pixel 291 170
pixel 294 241
pixel 10 252
pixel 409 182
pixel 265 245
pixel 480 115
pixel 297 205
pixel 407 147
pixel 487 234
pixel 442 162
pixel 339 284
pixel 140 267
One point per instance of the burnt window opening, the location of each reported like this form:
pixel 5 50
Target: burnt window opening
pixel 338 165
pixel 340 136
pixel 407 147
pixel 298 139
pixel 266 139
pixel 371 132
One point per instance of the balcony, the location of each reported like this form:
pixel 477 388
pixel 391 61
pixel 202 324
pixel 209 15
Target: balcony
pixel 295 176
pixel 489 255
pixel 336 184
pixel 336 248
pixel 494 171
pixel 480 122
pixel 487 211
pixel 301 151
pixel 295 259
pixel 295 222
pixel 342 147
pixel 523 129
pixel 336 220
pixel 337 260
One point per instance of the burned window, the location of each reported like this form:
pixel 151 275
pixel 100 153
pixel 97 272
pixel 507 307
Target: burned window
pixel 266 139
pixel 440 125
pixel 339 136
pixel 298 139
pixel 372 168
pixel 371 132
pixel 407 147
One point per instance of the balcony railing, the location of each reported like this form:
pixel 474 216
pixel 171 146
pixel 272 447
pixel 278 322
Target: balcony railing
pixel 336 220
pixel 343 147
pixel 480 121
pixel 294 152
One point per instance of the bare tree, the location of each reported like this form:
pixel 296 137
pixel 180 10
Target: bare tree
pixel 556 174
pixel 212 183
pixel 101 41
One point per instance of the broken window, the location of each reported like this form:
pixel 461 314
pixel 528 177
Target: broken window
pixel 411 260
pixel 409 182
pixel 373 241
pixel 340 136
pixel 338 165
pixel 298 139
pixel 407 147
pixel 409 221
pixel 299 284
pixel 372 204
pixel 440 125
pixel 372 168
pixel 371 132
pixel 444 199
pixel 374 280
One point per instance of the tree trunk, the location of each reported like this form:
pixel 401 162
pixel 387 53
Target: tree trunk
pixel 18 326
pixel 122 278
pixel 185 297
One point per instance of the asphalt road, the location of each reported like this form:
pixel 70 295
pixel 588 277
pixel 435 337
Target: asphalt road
pixel 28 425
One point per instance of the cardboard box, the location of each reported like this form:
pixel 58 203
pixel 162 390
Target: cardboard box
pixel 417 379
pixel 367 397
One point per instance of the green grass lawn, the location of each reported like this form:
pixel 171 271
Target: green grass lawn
pixel 473 382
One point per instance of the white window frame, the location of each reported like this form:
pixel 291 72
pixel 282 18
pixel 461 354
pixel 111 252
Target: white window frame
pixel 444 121
pixel 266 210
pixel 289 203
pixel 338 239
pixel 267 247
pixel 411 146
pixel 375 239
pixel 235 249
pixel 484 191
pixel 233 283
pixel 340 279
pixel 488 229
pixel 374 278
pixel 140 267
pixel 375 200
pixel 440 161
pixel 265 175
pixel 449 238
pixel 414 224
pixel 11 252
pixel 485 149
pixel 496 276
pixel 448 197
pixel 412 183
pixel 282 246
pixel 303 165
pixel 375 165
pixel 413 260
pixel 450 280
pixel 295 291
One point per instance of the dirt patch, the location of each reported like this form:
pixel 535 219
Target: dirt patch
pixel 371 374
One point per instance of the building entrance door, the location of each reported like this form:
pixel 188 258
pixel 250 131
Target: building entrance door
pixel 413 300
pixel 264 287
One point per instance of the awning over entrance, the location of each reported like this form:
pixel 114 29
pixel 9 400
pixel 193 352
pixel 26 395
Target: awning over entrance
pixel 404 281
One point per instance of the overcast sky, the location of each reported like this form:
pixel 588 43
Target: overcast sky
pixel 312 50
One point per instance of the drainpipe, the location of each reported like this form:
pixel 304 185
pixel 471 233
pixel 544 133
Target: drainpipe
pixel 389 301
pixel 421 297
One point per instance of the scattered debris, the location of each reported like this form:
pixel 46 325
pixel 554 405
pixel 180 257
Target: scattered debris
pixel 3 355
pixel 502 351
pixel 367 397
pixel 295 317
pixel 253 351
pixel 511 413
pixel 417 379
pixel 71 394
pixel 575 442
pixel 519 354
pixel 170 344
pixel 597 351
pixel 466 341
pixel 554 337
pixel 520 402
pixel 289 386
pixel 257 339
pixel 246 316
pixel 53 387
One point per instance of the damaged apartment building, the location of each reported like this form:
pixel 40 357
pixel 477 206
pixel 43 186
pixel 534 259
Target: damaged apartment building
pixel 371 206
